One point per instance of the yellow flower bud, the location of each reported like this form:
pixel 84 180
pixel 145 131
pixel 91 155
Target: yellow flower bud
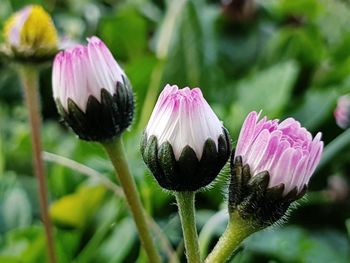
pixel 30 34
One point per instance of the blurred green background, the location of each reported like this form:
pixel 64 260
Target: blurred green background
pixel 288 58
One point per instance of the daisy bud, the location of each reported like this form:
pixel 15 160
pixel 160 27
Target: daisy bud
pixel 92 92
pixel 184 144
pixel 342 112
pixel 272 167
pixel 30 35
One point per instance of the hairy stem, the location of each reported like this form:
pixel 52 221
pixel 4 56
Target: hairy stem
pixel 185 202
pixel 116 153
pixel 237 230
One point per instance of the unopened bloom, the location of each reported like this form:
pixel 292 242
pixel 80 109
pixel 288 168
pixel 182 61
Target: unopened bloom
pixel 342 112
pixel 92 92
pixel 275 160
pixel 30 35
pixel 184 144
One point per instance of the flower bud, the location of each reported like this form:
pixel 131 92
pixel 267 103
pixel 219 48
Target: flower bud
pixel 272 167
pixel 92 92
pixel 30 35
pixel 184 144
pixel 342 112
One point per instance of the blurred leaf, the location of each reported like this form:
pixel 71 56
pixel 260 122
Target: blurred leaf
pixel 347 224
pixel 139 71
pixel 334 148
pixel 105 219
pixel 76 209
pixel 25 244
pixel 214 226
pixel 125 33
pixel 190 53
pixel 317 106
pixel 124 234
pixel 334 22
pixel 2 158
pixel 9 259
pixel 268 90
pixel 293 244
pixel 303 44
pixel 169 27
pixel 16 209
pixel 67 244
pixel 310 9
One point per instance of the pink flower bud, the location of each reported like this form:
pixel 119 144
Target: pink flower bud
pixel 185 145
pixel 342 112
pixel 92 92
pixel 284 149
pixel 82 71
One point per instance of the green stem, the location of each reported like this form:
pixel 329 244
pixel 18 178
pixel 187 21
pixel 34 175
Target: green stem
pixel 185 202
pixel 116 153
pixel 237 230
pixel 30 81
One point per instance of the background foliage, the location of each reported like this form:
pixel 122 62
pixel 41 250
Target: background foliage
pixel 289 58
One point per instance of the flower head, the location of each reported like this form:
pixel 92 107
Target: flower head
pixel 286 150
pixel 271 168
pixel 185 144
pixel 92 91
pixel 30 34
pixel 342 112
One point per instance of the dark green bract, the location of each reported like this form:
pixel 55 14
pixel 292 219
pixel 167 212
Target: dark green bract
pixel 253 200
pixel 188 173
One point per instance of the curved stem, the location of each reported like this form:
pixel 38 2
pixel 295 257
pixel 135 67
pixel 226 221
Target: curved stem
pixel 185 202
pixel 116 153
pixel 237 230
pixel 30 81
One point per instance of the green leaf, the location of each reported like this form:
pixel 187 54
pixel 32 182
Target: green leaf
pixel 10 259
pixel 124 234
pixel 2 158
pixel 25 244
pixel 310 9
pixel 268 90
pixel 316 107
pixel 125 33
pixel 16 209
pixel 294 244
pixel 347 224
pixel 305 45
pixel 75 210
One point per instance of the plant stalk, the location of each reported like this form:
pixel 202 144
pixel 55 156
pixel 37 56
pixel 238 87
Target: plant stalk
pixel 30 80
pixel 116 153
pixel 237 230
pixel 185 202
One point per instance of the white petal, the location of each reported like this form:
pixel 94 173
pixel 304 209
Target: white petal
pixel 183 117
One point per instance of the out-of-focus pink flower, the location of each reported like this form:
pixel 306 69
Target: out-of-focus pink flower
pixel 81 71
pixel 286 150
pixel 342 112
